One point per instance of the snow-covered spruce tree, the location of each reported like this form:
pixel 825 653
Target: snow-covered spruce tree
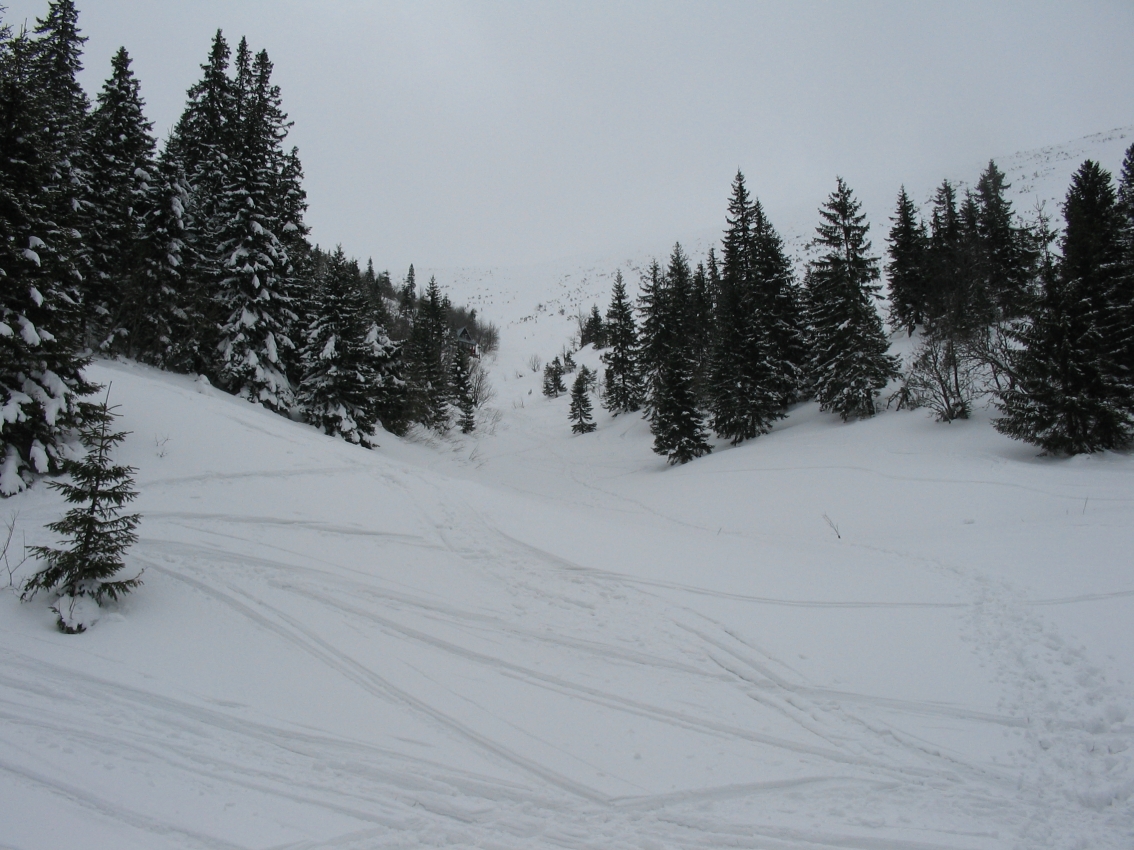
pixel 254 291
pixel 849 362
pixel 654 305
pixel 1122 288
pixel 462 393
pixel 675 418
pixel 122 175
pixel 40 374
pixel 97 532
pixel 591 329
pixel 957 300
pixel 676 423
pixel 907 271
pixel 61 138
pixel 427 361
pixel 779 308
pixel 699 329
pixel 202 144
pixel 580 411
pixel 752 379
pixel 158 316
pixel 623 383
pixel 1070 396
pixel 553 385
pixel 1007 251
pixel 339 378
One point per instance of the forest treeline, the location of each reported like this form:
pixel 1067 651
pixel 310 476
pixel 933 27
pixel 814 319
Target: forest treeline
pixel 1041 322
pixel 194 258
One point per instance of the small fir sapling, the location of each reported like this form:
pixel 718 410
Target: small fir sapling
pixel 580 410
pixel 97 531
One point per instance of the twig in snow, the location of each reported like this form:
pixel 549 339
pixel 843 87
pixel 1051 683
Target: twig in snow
pixel 834 527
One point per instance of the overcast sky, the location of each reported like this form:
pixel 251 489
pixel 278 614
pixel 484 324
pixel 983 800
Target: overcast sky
pixel 477 133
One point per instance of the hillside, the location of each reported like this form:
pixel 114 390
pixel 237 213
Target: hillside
pixel 886 635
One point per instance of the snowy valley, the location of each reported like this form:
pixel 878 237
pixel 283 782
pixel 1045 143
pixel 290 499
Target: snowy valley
pixel 892 634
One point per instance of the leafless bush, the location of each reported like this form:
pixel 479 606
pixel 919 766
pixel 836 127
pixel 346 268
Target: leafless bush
pixel 535 363
pixel 6 556
pixel 480 390
pixel 944 379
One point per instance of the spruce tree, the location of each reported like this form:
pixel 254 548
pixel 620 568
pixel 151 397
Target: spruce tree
pixel 1122 286
pixel 655 308
pixel 675 418
pixel 907 270
pixel 462 393
pixel 123 182
pixel 202 145
pixel 40 374
pixel 779 318
pixel 592 331
pixel 1070 396
pixel 62 137
pixel 676 422
pixel 580 409
pixel 756 366
pixel 97 531
pixel 339 379
pixel 1006 251
pixel 849 360
pixel 553 385
pixel 158 314
pixel 427 361
pixel 255 283
pixel 622 379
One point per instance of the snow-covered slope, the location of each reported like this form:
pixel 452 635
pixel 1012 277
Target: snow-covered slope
pixel 529 639
pixel 887 635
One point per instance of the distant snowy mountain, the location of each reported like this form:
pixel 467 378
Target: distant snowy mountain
pixel 520 298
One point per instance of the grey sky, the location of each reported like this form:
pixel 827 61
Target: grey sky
pixel 446 133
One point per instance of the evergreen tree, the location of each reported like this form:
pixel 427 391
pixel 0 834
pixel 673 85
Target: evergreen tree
pixel 254 290
pixel 581 410
pixel 957 302
pixel 62 139
pixel 40 374
pixel 202 145
pixel 907 270
pixel 849 361
pixel 122 180
pixel 1122 287
pixel 339 380
pixel 1070 397
pixel 158 315
pixel 591 331
pixel 757 358
pixel 676 422
pixel 699 329
pixel 1006 251
pixel 654 306
pixel 675 418
pixel 98 533
pixel 427 366
pixel 553 384
pixel 623 386
pixel 779 309
pixel 462 393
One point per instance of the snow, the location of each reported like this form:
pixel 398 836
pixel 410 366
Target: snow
pixel 526 638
